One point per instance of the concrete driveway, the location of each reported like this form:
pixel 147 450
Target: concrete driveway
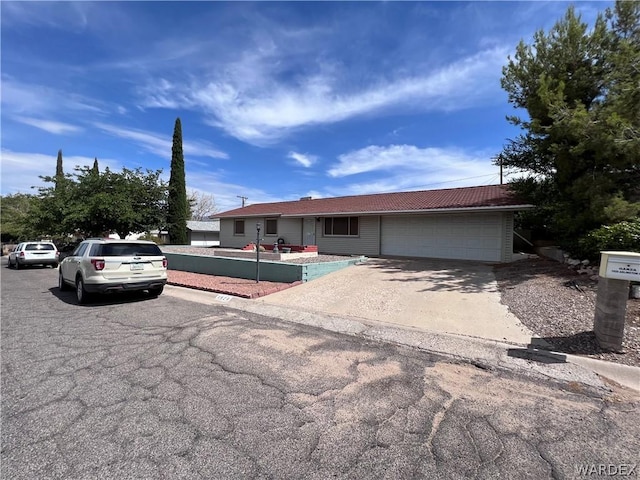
pixel 438 295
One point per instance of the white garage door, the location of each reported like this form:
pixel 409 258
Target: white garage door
pixel 466 237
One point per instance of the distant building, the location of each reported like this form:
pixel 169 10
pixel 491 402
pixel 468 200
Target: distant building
pixel 203 234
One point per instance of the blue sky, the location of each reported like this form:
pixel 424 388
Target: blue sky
pixel 277 100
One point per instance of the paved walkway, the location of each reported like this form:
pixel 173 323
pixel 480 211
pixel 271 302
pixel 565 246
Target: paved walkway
pixel 442 296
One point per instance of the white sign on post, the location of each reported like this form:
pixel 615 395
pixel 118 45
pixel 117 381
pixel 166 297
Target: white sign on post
pixel 620 265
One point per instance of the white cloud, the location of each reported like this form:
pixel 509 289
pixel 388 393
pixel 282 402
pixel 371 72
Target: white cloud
pixel 303 159
pixel 161 145
pixel 406 157
pixel 226 195
pixel 408 167
pixel 260 108
pixel 20 98
pixel 21 170
pixel 50 14
pixel 314 194
pixel 50 126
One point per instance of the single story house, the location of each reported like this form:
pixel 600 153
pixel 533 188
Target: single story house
pixel 472 223
pixel 203 234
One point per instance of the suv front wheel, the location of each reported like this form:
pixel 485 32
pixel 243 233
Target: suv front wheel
pixel 81 294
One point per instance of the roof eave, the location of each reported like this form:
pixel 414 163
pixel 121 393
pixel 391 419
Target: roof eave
pixel 503 208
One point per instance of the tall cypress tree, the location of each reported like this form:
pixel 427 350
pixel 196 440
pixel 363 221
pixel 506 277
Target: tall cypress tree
pixel 59 172
pixel 95 170
pixel 178 206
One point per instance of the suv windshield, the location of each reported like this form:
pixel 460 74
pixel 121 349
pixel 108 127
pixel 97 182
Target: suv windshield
pixel 39 246
pixel 125 250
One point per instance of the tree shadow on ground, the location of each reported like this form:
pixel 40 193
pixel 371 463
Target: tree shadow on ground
pixel 438 275
pixel 509 275
pixel 469 276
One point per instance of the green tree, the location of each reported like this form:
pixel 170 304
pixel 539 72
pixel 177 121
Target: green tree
pixel 14 216
pixel 92 204
pixel 49 209
pixel 95 170
pixel 580 144
pixel 178 205
pixel 121 202
pixel 59 176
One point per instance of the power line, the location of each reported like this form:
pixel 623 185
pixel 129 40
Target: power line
pixel 492 180
pixel 458 180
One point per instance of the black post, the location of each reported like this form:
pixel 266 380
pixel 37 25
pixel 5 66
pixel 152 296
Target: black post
pixel 258 253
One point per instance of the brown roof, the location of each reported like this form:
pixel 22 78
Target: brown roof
pixel 486 197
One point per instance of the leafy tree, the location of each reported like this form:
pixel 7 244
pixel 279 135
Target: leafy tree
pixel 623 236
pixel 14 216
pixel 201 205
pixel 125 202
pixel 581 141
pixel 178 206
pixel 92 204
pixel 48 215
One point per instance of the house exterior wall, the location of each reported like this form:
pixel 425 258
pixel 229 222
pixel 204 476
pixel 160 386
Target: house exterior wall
pixel 474 236
pixel 507 236
pixel 366 243
pixel 229 240
pixel 480 236
pixel 288 228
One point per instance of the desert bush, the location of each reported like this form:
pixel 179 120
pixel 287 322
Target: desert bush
pixel 624 236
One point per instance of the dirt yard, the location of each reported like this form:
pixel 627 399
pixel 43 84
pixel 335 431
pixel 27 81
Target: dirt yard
pixel 559 305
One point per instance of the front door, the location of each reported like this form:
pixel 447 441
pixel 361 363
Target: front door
pixel 309 231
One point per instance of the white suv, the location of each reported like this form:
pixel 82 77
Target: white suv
pixel 33 253
pixel 105 265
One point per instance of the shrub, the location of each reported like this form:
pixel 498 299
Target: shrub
pixel 623 236
pixel 152 238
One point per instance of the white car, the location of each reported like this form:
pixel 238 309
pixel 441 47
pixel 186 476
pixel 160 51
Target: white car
pixel 33 253
pixel 105 266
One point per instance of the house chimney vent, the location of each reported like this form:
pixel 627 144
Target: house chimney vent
pixel 305 198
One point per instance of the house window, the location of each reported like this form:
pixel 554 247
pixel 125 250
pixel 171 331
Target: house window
pixel 238 227
pixel 341 226
pixel 271 226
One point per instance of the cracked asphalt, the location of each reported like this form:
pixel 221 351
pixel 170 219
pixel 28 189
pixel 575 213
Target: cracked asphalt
pixel 136 387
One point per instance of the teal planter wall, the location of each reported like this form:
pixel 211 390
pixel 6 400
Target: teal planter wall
pixel 245 268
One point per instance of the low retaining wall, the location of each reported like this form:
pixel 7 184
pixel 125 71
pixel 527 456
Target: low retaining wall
pixel 245 268
pixel 263 255
pixel 554 253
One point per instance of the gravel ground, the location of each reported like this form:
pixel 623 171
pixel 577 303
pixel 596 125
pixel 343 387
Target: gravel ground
pixel 558 305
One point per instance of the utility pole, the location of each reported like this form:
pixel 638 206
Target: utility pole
pixel 243 199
